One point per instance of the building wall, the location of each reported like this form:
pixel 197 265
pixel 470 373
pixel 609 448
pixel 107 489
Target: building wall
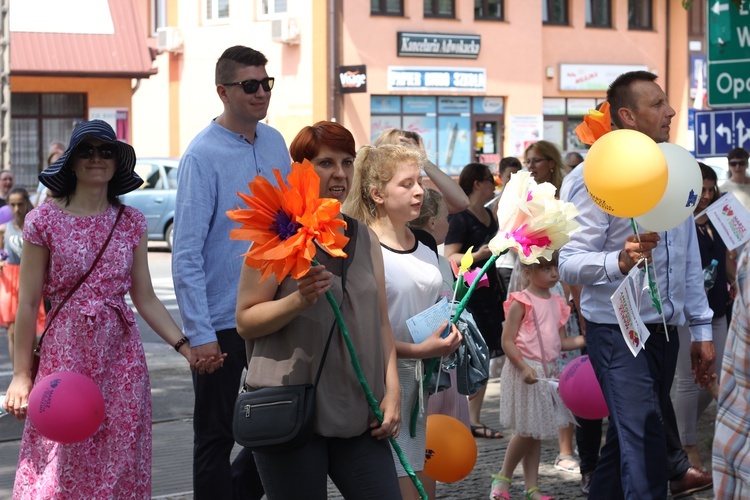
pixel 101 92
pixel 170 108
pixel 182 96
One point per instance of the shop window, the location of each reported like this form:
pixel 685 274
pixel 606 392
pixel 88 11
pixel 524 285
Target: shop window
pixel 451 126
pixel 555 12
pixel 387 7
pixel 640 15
pixel 37 120
pixel 216 10
pixel 598 13
pixel 489 10
pixel 440 8
pixel 561 117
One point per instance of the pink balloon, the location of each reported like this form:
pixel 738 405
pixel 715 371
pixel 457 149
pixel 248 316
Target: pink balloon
pixel 580 391
pixel 6 214
pixel 66 407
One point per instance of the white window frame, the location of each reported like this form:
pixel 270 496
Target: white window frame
pixel 158 15
pixel 215 19
pixel 266 10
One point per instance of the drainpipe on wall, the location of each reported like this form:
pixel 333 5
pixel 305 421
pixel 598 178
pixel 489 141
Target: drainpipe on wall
pixel 334 107
pixel 666 50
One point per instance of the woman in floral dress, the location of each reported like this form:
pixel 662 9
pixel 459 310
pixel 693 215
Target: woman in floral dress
pixel 95 332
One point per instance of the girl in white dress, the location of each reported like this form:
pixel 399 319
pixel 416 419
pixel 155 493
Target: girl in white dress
pixel 387 193
pixel 533 337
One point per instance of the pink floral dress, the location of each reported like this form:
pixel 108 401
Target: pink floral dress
pixel 95 334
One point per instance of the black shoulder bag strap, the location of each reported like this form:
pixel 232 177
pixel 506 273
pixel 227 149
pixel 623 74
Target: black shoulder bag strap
pixel 83 278
pixel 351 232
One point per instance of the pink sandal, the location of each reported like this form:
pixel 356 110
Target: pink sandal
pixel 495 493
pixel 535 489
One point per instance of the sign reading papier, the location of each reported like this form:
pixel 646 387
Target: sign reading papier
pixel 437 78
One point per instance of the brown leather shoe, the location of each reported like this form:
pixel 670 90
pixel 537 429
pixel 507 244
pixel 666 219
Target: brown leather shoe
pixel 693 481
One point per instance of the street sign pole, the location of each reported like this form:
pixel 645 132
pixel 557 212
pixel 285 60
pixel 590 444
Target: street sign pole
pixel 728 76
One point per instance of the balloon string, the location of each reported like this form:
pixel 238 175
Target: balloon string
pixel 653 287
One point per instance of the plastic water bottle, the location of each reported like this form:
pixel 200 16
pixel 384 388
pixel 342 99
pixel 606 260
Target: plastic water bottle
pixel 709 275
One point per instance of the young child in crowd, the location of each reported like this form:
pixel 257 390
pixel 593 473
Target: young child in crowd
pixel 387 193
pixel 433 218
pixel 11 242
pixel 533 337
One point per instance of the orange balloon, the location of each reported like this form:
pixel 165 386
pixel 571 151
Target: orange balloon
pixel 625 173
pixel 451 451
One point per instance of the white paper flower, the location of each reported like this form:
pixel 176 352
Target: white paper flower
pixel 533 223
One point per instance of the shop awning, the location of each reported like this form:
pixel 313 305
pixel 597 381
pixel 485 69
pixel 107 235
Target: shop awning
pixel 84 38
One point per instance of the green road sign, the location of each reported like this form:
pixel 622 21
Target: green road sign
pixel 728 77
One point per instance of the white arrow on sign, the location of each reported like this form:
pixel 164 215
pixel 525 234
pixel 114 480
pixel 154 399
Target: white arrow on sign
pixel 725 131
pixel 742 136
pixel 703 136
pixel 718 8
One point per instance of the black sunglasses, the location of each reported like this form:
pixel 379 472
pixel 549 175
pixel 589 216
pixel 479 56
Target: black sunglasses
pixel 251 86
pixel 737 163
pixel 86 151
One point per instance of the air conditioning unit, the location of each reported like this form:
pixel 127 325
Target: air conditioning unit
pixel 169 39
pixel 285 30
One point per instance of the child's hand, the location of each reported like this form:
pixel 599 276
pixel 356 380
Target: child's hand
pixel 529 375
pixel 713 386
pixel 435 346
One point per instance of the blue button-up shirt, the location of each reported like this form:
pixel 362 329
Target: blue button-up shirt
pixel 206 264
pixel 591 259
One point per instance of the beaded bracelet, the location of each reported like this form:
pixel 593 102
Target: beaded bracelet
pixel 180 343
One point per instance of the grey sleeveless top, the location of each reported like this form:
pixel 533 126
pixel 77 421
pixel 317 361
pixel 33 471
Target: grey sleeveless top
pixel 292 355
pixel 13 243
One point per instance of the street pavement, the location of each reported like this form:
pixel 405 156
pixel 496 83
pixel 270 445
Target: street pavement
pixel 172 397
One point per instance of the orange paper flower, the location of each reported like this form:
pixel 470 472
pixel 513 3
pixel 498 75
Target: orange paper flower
pixel 595 124
pixel 285 223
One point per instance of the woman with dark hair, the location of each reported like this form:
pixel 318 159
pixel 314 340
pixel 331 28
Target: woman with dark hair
pixel 91 330
pixel 475 227
pixel 690 399
pixel 286 326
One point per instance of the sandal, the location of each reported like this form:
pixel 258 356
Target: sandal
pixel 574 469
pixel 496 494
pixel 482 431
pixel 535 489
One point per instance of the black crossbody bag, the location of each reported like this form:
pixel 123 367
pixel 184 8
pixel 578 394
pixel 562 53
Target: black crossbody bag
pixel 276 419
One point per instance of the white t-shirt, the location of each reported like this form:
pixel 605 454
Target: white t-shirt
pixel 412 283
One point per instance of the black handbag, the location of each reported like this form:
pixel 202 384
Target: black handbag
pixel 277 419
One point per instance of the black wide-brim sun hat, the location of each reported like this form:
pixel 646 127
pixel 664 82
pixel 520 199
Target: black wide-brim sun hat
pixel 59 175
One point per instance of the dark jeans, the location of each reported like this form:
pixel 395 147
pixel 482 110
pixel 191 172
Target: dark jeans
pixel 588 442
pixel 213 475
pixel 361 467
pixel 642 450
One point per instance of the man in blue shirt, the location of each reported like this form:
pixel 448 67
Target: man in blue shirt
pixel 206 264
pixel 642 451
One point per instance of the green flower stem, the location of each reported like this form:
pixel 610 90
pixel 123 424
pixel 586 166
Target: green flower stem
pixel 465 300
pixel 368 393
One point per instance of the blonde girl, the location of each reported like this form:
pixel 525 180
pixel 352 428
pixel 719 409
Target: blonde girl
pixel 388 194
pixel 533 337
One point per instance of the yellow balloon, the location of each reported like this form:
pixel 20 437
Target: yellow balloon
pixel 625 173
